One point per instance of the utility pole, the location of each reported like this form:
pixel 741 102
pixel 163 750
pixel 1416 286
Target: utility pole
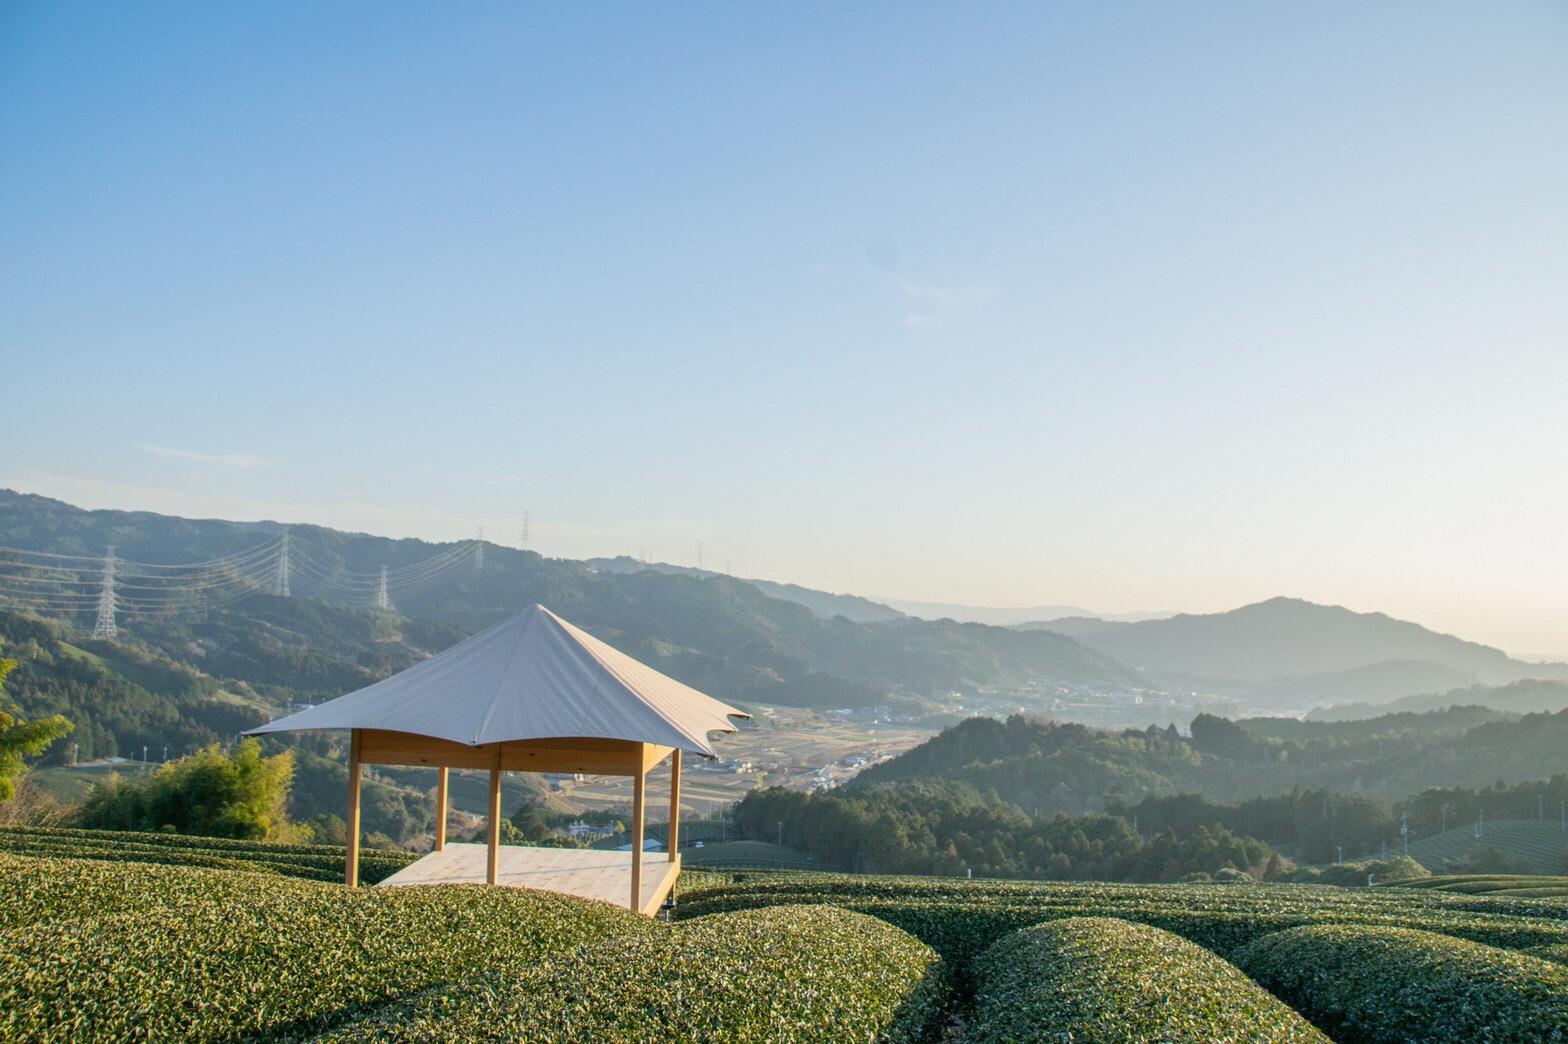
pixel 280 584
pixel 383 600
pixel 105 627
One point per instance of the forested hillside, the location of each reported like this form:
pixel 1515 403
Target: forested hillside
pixel 1069 768
pixel 1521 697
pixel 722 635
pixel 1026 798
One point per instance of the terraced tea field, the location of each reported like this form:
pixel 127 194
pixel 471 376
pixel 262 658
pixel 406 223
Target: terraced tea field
pixel 1541 845
pixel 1526 887
pixel 92 949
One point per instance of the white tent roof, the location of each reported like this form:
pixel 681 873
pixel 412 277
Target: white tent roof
pixel 531 676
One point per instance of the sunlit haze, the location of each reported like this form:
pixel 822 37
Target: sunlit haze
pixel 1132 307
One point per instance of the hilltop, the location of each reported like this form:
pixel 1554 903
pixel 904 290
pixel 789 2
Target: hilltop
pixel 1288 649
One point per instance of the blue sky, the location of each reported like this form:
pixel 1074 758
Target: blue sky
pixel 1128 306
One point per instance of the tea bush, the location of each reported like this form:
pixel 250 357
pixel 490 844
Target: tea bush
pixel 200 954
pixel 1112 981
pixel 1366 984
pixel 1550 953
pixel 962 918
pixel 786 974
pixel 314 862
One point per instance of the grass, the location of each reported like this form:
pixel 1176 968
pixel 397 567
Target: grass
pixel 763 854
pixel 1540 845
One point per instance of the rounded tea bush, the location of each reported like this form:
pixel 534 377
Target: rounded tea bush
pixel 1370 984
pixel 205 955
pixel 777 975
pixel 1112 981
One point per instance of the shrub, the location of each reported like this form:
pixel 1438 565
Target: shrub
pixel 776 975
pixel 1395 984
pixel 195 954
pixel 1102 979
pixel 238 794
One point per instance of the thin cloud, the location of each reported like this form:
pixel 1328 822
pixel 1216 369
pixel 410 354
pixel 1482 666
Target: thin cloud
pixel 929 302
pixel 243 461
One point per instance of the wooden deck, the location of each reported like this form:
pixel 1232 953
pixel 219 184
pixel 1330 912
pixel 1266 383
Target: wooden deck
pixel 585 872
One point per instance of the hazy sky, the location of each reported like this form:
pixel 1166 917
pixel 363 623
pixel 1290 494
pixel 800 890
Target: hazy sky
pixel 1129 306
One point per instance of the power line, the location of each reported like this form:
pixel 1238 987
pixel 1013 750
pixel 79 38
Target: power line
pixel 47 582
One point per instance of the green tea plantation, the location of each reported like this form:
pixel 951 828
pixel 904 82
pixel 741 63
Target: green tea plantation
pixel 153 937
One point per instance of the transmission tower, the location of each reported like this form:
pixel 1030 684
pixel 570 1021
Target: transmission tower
pixel 105 627
pixel 525 531
pixel 383 601
pixel 280 583
pixel 479 552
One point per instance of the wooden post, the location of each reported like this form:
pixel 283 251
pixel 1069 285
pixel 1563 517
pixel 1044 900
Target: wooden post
pixel 493 865
pixel 639 785
pixel 673 842
pixel 441 807
pixel 351 856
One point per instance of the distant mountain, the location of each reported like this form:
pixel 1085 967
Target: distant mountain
pixel 1022 617
pixel 825 605
pixel 1521 697
pixel 1286 645
pixel 1374 684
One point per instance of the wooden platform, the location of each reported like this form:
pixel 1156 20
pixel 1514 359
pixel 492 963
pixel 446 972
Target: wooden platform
pixel 585 872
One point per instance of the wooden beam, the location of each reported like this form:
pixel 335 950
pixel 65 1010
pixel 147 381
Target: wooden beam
pixel 493 863
pixel 599 757
pixel 441 781
pixel 639 786
pixel 351 856
pixel 673 842
pixel 666 886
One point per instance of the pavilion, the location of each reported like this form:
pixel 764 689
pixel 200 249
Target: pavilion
pixel 531 694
